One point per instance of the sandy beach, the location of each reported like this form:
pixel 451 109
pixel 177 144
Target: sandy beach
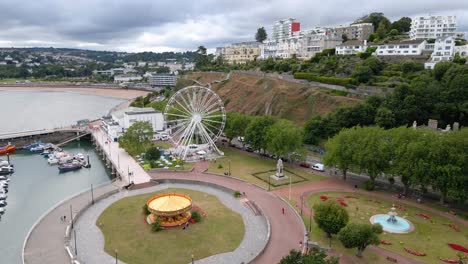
pixel 109 92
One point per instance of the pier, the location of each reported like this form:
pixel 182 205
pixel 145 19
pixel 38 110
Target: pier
pixel 123 166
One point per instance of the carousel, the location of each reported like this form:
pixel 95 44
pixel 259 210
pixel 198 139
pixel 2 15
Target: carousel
pixel 172 209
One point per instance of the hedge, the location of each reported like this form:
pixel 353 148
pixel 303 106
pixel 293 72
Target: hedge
pixel 323 79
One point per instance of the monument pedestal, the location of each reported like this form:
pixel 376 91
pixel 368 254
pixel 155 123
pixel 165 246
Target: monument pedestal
pixel 279 178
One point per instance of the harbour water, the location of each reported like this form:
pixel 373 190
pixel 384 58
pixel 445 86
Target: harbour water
pixel 36 186
pixel 25 110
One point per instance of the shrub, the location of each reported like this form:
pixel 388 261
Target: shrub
pixel 391 180
pixel 145 209
pixel 196 216
pixel 339 92
pixel 153 154
pixel 220 166
pixel 322 79
pixel 156 226
pixel 237 194
pixel 369 185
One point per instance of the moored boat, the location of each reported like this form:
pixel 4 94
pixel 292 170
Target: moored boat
pixel 69 167
pixel 7 149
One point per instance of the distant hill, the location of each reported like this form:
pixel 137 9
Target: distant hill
pixel 258 96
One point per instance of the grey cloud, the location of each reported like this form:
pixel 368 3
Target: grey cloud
pixel 161 24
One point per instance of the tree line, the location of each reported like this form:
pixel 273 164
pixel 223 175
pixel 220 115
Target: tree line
pixel 438 94
pixel 420 158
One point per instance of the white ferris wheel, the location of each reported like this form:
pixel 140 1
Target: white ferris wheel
pixel 195 117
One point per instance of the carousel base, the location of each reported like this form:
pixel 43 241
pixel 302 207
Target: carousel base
pixel 170 221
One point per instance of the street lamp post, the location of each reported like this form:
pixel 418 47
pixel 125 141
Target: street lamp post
pixel 290 182
pixel 269 184
pixel 302 202
pixel 118 161
pixel 74 236
pixel 229 167
pixel 92 195
pixel 310 220
pixel 71 216
pixel 115 250
pixel 192 259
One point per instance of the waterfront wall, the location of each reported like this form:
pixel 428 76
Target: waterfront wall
pixel 53 137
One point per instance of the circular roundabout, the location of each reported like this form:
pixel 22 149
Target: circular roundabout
pixel 119 223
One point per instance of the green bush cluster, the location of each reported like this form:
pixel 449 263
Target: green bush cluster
pixel 156 226
pixel 196 216
pixel 237 194
pixel 323 79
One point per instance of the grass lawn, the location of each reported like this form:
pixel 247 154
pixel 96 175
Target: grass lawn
pixel 125 229
pixel 430 236
pixel 162 144
pixel 243 166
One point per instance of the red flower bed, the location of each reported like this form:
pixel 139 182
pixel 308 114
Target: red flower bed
pixel 416 253
pixel 384 242
pixel 454 227
pixel 351 196
pixel 199 209
pixel 192 221
pixel 449 260
pixel 340 199
pixel 425 216
pixel 374 201
pixel 323 198
pixel 459 247
pixel 343 204
pixel 400 207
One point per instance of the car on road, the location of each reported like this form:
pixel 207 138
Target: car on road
pixel 318 167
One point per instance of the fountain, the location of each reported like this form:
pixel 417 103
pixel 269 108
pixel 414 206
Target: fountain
pixel 172 209
pixel 392 223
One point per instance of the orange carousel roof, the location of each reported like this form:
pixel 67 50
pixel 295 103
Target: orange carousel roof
pixel 170 203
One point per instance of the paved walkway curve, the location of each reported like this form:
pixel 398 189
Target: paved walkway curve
pixel 287 229
pixel 91 240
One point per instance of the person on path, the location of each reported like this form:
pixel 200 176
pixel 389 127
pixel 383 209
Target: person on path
pixel 64 218
pixel 61 219
pixel 282 209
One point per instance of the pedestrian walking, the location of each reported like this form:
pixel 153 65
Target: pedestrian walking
pixel 64 218
pixel 282 209
pixel 61 219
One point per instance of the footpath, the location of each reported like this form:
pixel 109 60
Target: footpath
pixel 46 240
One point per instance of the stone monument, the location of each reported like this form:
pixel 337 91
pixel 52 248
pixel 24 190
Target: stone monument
pixel 279 171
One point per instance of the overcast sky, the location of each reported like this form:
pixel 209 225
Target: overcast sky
pixel 179 25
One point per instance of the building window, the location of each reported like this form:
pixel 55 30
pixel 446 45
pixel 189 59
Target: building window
pixel 413 51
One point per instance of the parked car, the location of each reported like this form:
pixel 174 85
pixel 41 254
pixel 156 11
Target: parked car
pixel 318 167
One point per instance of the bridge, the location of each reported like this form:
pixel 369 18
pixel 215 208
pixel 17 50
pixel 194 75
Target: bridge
pixel 58 136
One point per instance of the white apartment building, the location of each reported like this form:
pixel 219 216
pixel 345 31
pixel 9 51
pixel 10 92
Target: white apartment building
pixel 432 27
pixel 115 71
pixel 284 28
pixel 351 47
pixel 290 47
pixel 162 79
pixel 268 49
pixel 444 50
pixel 413 47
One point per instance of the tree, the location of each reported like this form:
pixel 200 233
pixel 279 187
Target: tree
pixel 340 150
pixel 315 256
pixel 410 150
pixel 315 129
pixel 261 34
pixel 236 123
pixel 283 138
pixel 331 217
pixel 362 74
pixel 344 37
pixel 137 137
pixel 153 153
pixel 373 18
pixel 459 59
pixel 372 153
pixel 402 25
pixel 441 68
pixel 383 28
pixel 360 236
pixel 410 66
pixel 385 118
pixel 256 132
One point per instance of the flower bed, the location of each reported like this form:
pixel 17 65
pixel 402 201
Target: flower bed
pixel 351 196
pixel 425 216
pixel 323 198
pixel 385 242
pixel 454 227
pixel 416 253
pixel 374 201
pixel 343 204
pixel 449 260
pixel 459 247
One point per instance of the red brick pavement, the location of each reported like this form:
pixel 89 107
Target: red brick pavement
pixel 286 229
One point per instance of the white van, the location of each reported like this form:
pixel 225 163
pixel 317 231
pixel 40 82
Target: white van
pixel 318 167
